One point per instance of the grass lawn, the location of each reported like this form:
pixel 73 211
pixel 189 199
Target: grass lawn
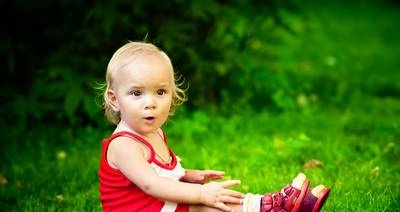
pixel 350 145
pixel 354 152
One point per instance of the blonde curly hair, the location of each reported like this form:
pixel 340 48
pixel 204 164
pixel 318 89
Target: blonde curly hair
pixel 125 55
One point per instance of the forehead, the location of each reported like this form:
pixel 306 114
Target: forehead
pixel 146 68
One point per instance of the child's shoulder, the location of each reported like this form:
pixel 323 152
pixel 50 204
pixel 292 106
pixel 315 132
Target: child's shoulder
pixel 122 147
pixel 125 142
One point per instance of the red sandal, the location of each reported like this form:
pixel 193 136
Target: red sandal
pixel 312 203
pixel 289 199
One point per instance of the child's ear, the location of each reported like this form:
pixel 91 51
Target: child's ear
pixel 112 98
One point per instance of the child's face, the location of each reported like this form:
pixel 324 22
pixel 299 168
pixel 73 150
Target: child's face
pixel 142 92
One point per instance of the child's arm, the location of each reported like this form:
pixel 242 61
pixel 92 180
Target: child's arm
pixel 201 176
pixel 129 158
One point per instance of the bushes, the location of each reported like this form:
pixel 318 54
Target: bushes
pixel 235 56
pixel 63 48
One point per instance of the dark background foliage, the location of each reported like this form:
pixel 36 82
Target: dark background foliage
pixel 234 56
pixel 54 53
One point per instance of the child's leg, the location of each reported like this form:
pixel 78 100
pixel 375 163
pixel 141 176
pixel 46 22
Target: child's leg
pixel 288 199
pixel 310 204
pixel 202 208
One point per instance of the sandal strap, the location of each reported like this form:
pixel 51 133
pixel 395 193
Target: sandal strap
pixel 309 202
pixel 313 203
pixel 274 203
pixel 269 203
pixel 282 201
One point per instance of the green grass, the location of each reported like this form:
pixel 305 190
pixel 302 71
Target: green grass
pixel 357 149
pixel 358 152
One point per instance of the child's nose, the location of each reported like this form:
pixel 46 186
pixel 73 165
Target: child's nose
pixel 150 102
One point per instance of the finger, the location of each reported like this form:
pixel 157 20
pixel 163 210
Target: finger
pixel 214 177
pixel 233 193
pixel 230 183
pixel 199 178
pixel 231 200
pixel 214 172
pixel 223 207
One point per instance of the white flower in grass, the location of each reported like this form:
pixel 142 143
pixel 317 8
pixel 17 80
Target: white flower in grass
pixel 61 155
pixel 59 198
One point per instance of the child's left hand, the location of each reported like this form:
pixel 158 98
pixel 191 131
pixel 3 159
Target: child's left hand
pixel 202 176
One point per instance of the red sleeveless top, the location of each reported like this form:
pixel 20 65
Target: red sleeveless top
pixel 117 192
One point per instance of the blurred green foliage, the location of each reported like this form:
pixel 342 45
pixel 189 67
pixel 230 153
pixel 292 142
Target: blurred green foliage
pixel 55 52
pixel 235 55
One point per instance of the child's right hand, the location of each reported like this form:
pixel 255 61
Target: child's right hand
pixel 216 194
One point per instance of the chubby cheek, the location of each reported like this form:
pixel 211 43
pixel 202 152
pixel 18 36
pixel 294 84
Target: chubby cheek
pixel 129 111
pixel 166 107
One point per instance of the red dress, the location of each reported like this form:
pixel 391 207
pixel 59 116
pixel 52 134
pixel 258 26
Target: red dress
pixel 118 193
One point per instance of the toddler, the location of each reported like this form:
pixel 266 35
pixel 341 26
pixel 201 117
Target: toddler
pixel 139 172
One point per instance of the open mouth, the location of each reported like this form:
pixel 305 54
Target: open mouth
pixel 150 118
